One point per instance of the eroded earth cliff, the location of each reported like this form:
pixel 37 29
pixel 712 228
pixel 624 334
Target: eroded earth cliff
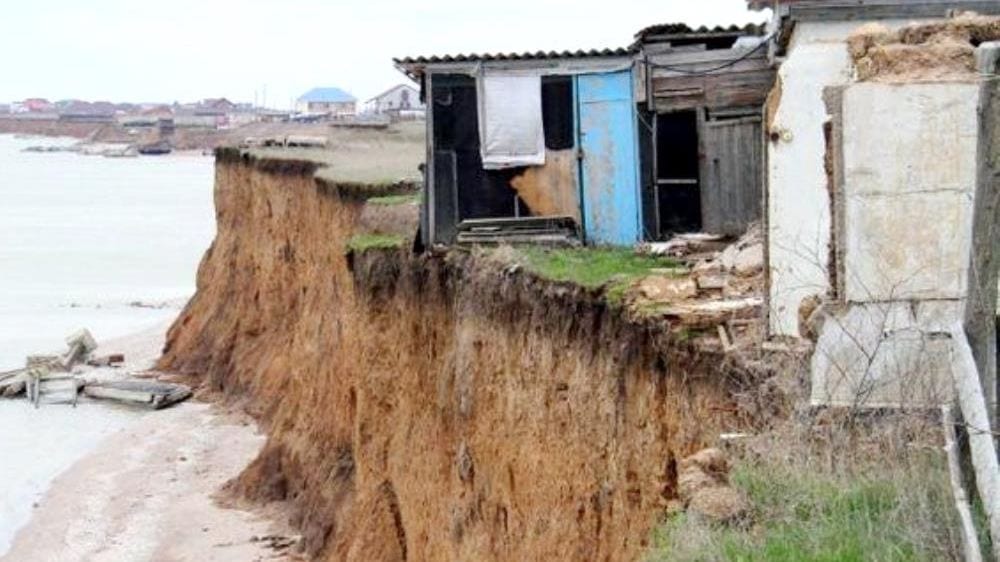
pixel 438 406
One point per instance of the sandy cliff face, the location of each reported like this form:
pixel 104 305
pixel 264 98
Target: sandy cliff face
pixel 434 408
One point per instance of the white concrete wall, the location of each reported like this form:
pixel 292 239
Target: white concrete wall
pixel 798 204
pixel 909 181
pixel 909 169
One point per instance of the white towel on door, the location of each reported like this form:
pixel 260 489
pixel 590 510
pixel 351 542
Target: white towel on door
pixel 510 120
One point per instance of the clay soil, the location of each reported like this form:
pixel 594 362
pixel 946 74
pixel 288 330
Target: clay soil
pixel 436 407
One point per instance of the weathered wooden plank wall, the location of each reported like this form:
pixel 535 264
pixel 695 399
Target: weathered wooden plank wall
pixel 746 83
pixel 731 175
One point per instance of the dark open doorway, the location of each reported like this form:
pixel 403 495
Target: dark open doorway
pixel 678 184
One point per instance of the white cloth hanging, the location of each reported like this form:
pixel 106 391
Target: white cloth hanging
pixel 510 120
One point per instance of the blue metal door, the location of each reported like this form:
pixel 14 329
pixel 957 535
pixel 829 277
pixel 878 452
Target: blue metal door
pixel 610 165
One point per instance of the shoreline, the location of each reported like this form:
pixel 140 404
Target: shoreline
pixel 151 490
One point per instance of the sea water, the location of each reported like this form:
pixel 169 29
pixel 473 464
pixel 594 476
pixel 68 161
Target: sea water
pixel 107 244
pixel 94 242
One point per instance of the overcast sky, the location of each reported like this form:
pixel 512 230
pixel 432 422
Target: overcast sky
pixel 185 50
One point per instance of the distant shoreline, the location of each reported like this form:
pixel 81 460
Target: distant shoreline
pixel 184 139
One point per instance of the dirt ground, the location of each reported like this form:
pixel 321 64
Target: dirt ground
pixel 149 493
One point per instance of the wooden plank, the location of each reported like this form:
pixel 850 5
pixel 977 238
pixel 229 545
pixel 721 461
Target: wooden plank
pixel 730 89
pixel 713 57
pixel 445 192
pixel 731 188
pixel 430 233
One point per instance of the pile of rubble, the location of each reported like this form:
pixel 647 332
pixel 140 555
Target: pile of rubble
pixel 61 378
pixel 720 285
pixel 705 491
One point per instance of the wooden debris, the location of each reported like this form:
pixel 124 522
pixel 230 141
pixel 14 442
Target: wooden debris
pixel 685 244
pixel 50 361
pixel 13 383
pixel 707 313
pixel 59 388
pixel 155 395
pixel 970 541
pixel 113 360
pixel 727 343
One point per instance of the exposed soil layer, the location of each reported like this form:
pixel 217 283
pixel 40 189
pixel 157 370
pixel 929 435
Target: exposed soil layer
pixel 437 407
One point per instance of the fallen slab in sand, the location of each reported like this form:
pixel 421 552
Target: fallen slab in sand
pixel 152 394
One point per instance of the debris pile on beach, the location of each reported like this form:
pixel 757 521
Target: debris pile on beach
pixel 62 378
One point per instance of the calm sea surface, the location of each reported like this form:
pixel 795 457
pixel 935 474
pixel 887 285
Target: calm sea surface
pixel 81 239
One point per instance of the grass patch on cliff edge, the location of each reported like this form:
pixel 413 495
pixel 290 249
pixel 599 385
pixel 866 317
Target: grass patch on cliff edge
pixel 362 242
pixel 615 269
pixel 876 513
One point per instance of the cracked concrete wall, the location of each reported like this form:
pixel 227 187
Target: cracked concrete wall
pixel 909 183
pixel 909 180
pixel 798 212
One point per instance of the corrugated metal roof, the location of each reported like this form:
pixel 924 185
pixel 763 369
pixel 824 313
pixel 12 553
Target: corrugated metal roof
pixel 681 30
pixel 327 95
pixel 539 55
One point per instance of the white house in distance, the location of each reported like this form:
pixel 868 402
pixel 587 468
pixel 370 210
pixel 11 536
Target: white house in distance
pixel 401 100
pixel 332 101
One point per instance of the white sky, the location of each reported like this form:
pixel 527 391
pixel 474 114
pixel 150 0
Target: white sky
pixel 185 50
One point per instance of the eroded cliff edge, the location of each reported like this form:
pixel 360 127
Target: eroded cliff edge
pixel 436 407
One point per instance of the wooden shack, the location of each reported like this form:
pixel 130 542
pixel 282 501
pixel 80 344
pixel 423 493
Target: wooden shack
pixel 701 93
pixel 587 187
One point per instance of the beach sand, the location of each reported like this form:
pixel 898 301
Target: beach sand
pixel 149 491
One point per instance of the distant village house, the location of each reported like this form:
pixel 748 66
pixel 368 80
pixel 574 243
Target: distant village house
pixel 333 102
pixel 400 101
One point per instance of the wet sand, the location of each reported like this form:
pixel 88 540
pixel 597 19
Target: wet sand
pixel 148 491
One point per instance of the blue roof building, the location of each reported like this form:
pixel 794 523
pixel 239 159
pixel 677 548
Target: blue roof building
pixel 334 101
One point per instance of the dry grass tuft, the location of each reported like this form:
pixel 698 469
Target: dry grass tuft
pixel 836 486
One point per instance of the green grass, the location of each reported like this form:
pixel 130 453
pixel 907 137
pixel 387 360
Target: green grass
pixel 390 200
pixel 362 242
pixel 612 268
pixel 895 515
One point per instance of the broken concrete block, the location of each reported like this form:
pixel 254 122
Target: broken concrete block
pixel 749 261
pixel 711 281
pixel 113 360
pixel 42 361
pixel 703 485
pixel 727 259
pixel 81 344
pixel 155 395
pixel 662 288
